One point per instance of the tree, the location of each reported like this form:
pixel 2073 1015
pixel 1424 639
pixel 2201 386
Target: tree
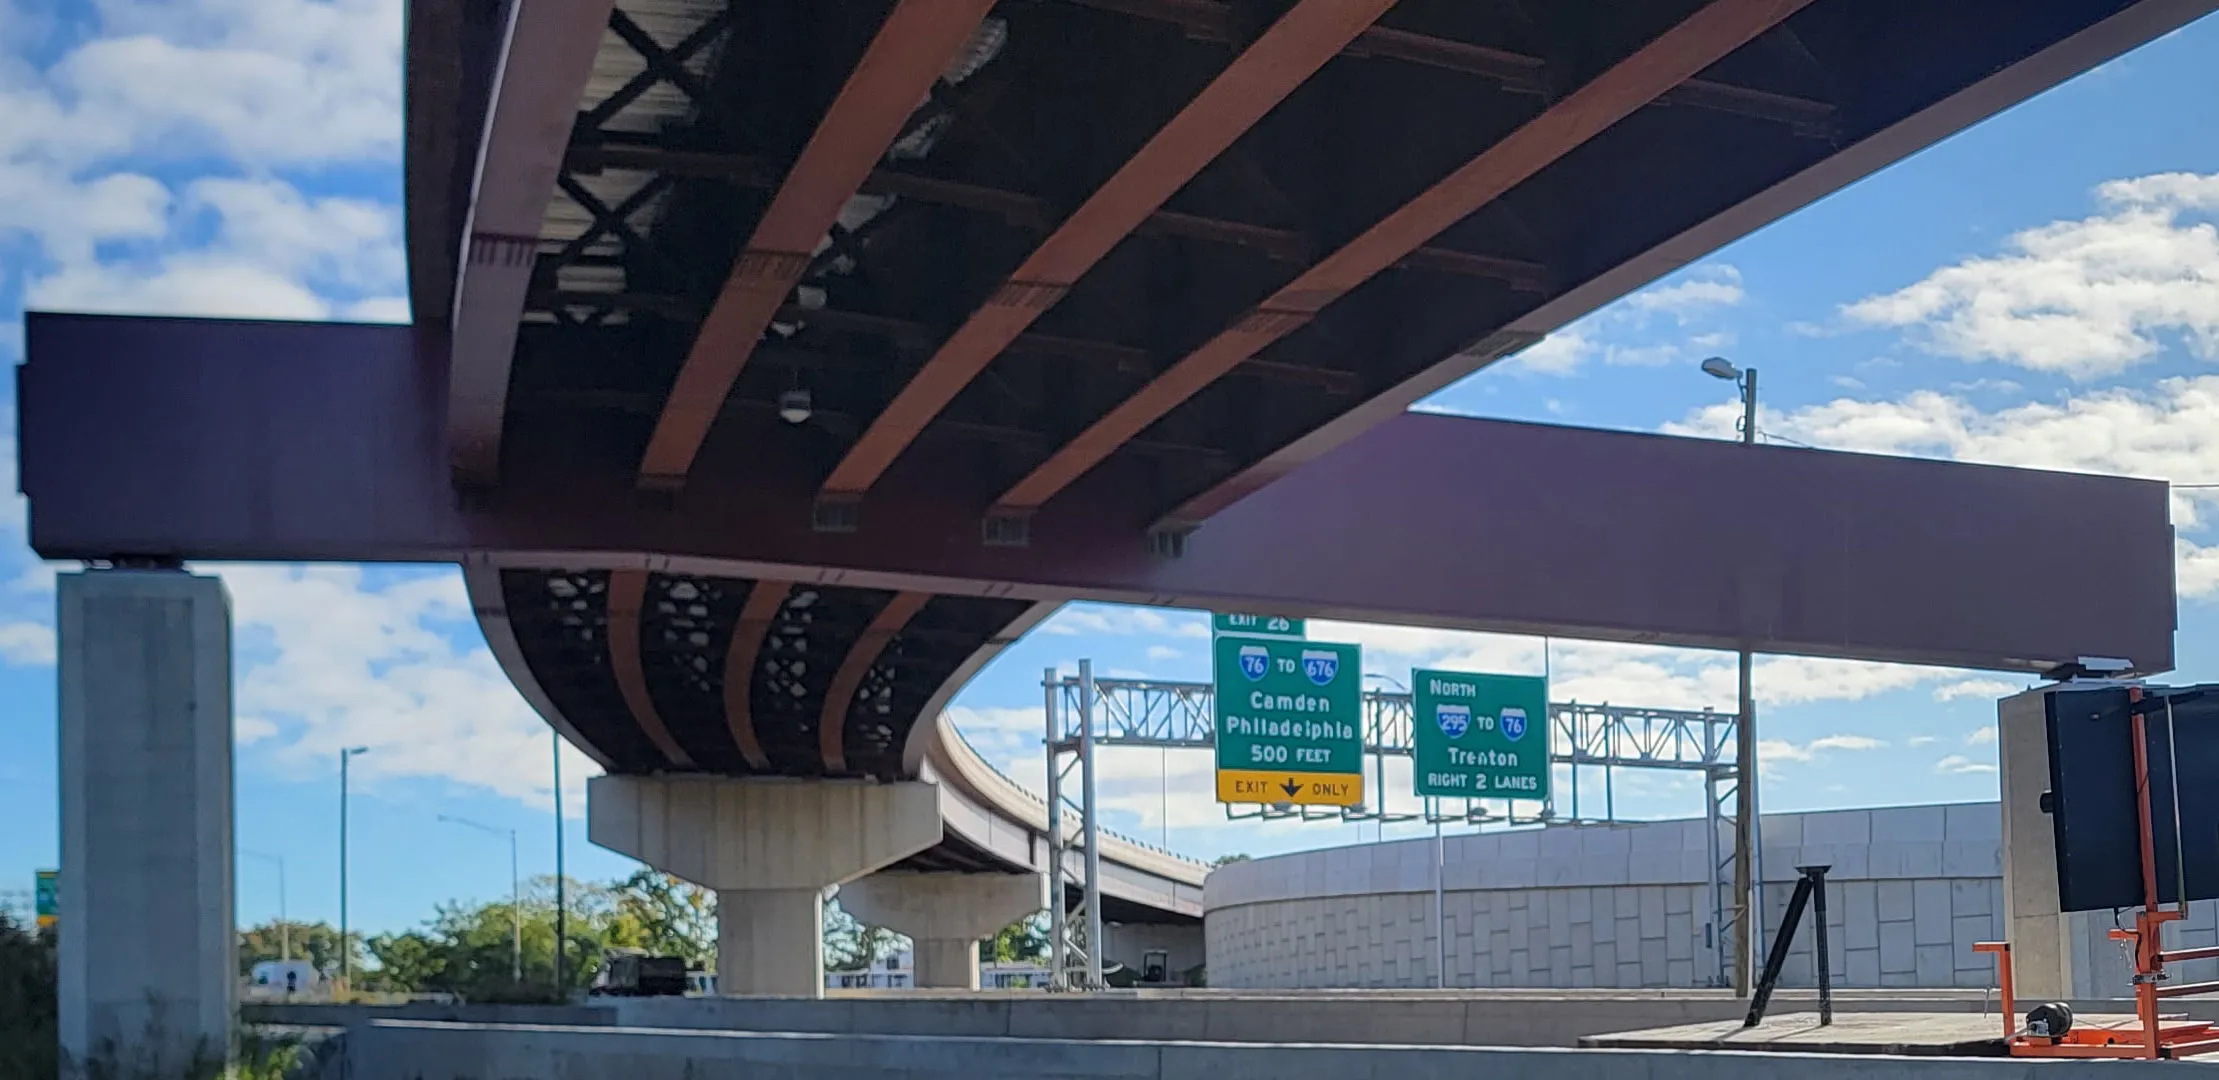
pixel 1025 940
pixel 1223 859
pixel 28 1014
pixel 407 962
pixel 317 943
pixel 849 945
pixel 667 916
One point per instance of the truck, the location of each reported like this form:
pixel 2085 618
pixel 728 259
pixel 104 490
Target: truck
pixel 634 973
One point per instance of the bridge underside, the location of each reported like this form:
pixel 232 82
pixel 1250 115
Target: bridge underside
pixel 741 677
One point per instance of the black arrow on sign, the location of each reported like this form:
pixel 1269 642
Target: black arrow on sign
pixel 1291 788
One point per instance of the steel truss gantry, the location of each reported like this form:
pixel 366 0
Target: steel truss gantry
pixel 1085 713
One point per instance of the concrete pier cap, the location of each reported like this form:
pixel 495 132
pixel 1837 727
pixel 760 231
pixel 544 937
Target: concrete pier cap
pixel 771 849
pixel 946 915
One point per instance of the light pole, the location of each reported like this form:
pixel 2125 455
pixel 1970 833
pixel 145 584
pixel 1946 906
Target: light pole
pixel 516 894
pixel 562 909
pixel 1440 920
pixel 1748 883
pixel 346 952
pixel 284 923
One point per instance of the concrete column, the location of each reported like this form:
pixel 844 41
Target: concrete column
pixel 147 942
pixel 770 849
pixel 2040 935
pixel 946 915
pixel 756 932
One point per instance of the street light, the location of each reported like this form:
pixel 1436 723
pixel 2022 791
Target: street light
pixel 516 894
pixel 346 952
pixel 562 905
pixel 284 923
pixel 1748 877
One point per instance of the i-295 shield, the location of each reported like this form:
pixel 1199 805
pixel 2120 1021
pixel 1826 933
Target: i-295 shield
pixel 1321 665
pixel 1454 720
pixel 1255 661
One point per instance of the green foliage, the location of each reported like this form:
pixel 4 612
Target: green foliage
pixel 1223 859
pixel 317 943
pixel 27 1008
pixel 850 945
pixel 667 917
pixel 1025 940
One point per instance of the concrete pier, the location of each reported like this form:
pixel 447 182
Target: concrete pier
pixel 771 849
pixel 946 915
pixel 147 946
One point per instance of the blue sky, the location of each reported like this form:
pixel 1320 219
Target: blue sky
pixel 2040 290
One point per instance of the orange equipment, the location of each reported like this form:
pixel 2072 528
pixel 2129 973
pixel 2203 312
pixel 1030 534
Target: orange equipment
pixel 2150 1036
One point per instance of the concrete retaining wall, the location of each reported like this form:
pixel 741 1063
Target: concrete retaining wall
pixel 390 1050
pixel 304 1014
pixel 1620 906
pixel 1488 1018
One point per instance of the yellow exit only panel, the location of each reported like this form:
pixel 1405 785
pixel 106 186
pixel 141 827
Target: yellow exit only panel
pixel 1299 788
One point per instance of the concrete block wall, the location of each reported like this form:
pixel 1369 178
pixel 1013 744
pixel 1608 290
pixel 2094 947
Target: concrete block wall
pixel 1910 890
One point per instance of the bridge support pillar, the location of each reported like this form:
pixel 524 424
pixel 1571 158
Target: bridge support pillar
pixel 770 849
pixel 146 958
pixel 947 915
pixel 2042 939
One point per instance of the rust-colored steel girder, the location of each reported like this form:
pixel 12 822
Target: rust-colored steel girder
pixel 627 592
pixel 912 48
pixel 1699 41
pixel 1295 47
pixel 549 57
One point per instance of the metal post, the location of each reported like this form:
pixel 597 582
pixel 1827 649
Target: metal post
pixel 346 959
pixel 1748 838
pixel 516 895
pixel 346 950
pixel 1091 810
pixel 562 907
pixel 1440 923
pixel 1817 876
pixel 284 920
pixel 516 915
pixel 1059 969
pixel 1747 937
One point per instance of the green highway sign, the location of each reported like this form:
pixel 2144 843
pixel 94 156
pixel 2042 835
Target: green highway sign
pixel 49 904
pixel 1290 721
pixel 1480 736
pixel 1272 626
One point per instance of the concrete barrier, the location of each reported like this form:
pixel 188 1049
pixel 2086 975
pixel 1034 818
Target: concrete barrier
pixel 1466 1018
pixel 410 1050
pixel 312 1014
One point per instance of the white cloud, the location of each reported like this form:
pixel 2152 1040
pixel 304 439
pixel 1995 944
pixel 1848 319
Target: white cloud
pixel 1778 750
pixel 274 254
pixel 27 644
pixel 1921 740
pixel 1717 285
pixel 1977 688
pixel 1075 619
pixel 258 82
pixel 1958 763
pixel 251 729
pixel 2082 298
pixel 328 659
pixel 1560 353
pixel 1617 335
pixel 1162 653
pixel 1981 736
pixel 215 95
